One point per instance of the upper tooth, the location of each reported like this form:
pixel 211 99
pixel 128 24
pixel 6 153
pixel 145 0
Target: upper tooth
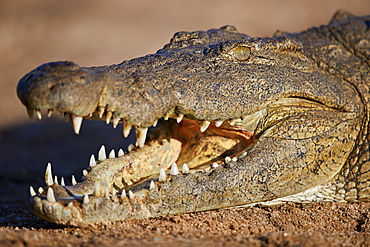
pixel 76 122
pixel 30 112
pixel 166 116
pixel 179 117
pixel 48 176
pixel 155 123
pixel 116 121
pixel 50 195
pixel 38 113
pixel 141 136
pixel 101 111
pixel 108 117
pixel 174 170
pixel 126 129
pixel 50 112
pixel 204 125
pixel 218 123
pixel 102 154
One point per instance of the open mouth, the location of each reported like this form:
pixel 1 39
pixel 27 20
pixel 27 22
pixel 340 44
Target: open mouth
pixel 174 146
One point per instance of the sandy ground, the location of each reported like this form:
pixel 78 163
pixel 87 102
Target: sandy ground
pixel 104 32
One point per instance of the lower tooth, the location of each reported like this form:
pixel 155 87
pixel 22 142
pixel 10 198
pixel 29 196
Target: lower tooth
pixel 141 136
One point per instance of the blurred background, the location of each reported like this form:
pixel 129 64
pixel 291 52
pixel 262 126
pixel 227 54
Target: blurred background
pixel 95 32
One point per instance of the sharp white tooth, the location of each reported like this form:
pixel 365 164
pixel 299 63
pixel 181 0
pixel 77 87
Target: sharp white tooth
pixel 62 183
pixel 130 147
pixel 179 117
pixel 86 199
pixel 70 205
pixel 102 155
pixel 101 111
pixel 204 125
pixel 48 176
pixel 218 123
pixel 227 159
pixel 97 188
pixel 162 176
pixel 123 193
pixel 32 191
pixel 38 114
pixel 84 172
pixel 234 159
pixel 155 123
pixel 232 122
pixel 120 153
pixel 50 112
pixel 131 195
pixel 31 113
pixel 116 121
pixel 141 136
pixel 76 122
pixel 114 194
pixel 108 117
pixel 185 169
pixel 55 179
pixel 40 190
pixel 166 116
pixel 50 195
pixel 74 182
pixel 112 154
pixel 92 162
pixel 215 165
pixel 174 170
pixel 152 185
pixel 126 129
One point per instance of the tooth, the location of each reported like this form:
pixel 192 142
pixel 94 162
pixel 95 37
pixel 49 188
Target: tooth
pixel 174 170
pixel 234 159
pixel 166 116
pixel 218 123
pixel 40 190
pixel 116 121
pixel 232 122
pixel 48 176
pixel 101 110
pixel 66 116
pixel 227 159
pixel 50 112
pixel 106 193
pixel 155 123
pixel 204 125
pixel 215 165
pixel 102 154
pixel 31 113
pixel 76 122
pixel 108 117
pixel 114 194
pixel 130 147
pixel 38 114
pixel 120 153
pixel 55 179
pixel 131 195
pixel 179 117
pixel 62 182
pixel 123 193
pixel 162 176
pixel 84 172
pixel 141 136
pixel 32 191
pixel 185 169
pixel 112 154
pixel 152 185
pixel 50 195
pixel 92 162
pixel 70 205
pixel 86 199
pixel 97 188
pixel 74 182
pixel 126 129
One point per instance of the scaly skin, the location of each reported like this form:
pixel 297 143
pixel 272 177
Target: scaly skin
pixel 255 120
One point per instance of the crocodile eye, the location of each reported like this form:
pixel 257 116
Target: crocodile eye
pixel 241 53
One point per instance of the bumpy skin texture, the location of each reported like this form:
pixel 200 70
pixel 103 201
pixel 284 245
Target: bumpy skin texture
pixel 291 111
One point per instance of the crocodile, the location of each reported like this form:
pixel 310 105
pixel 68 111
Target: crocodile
pixel 222 119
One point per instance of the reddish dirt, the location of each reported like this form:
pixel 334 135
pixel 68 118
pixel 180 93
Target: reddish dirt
pixel 103 32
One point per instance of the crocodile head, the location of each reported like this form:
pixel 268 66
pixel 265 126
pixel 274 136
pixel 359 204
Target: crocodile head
pixel 247 119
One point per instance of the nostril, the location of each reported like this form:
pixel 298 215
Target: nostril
pixel 51 88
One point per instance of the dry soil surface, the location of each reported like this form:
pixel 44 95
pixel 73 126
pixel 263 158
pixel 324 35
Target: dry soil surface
pixel 103 32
